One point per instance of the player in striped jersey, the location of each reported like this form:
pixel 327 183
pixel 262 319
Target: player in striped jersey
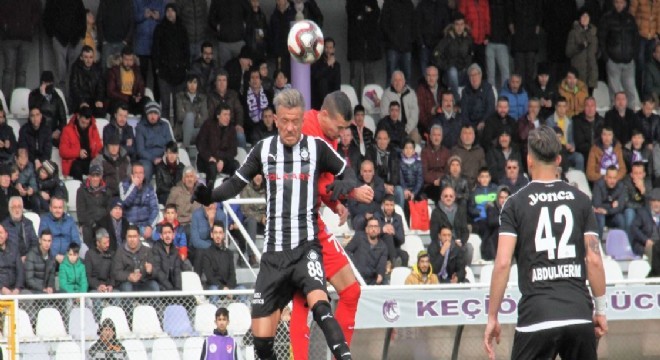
pixel 292 261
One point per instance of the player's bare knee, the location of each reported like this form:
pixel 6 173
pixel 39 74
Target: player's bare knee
pixel 263 346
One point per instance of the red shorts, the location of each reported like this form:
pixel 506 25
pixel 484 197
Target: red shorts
pixel 334 256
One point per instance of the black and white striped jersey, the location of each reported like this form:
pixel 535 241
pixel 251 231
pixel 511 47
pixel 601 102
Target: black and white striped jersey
pixel 291 175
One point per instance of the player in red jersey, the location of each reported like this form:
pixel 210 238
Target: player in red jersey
pixel 335 115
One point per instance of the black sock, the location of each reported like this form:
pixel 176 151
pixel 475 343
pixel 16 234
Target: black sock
pixel 331 329
pixel 263 347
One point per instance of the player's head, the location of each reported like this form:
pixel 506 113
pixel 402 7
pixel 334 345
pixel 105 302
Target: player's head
pixel 335 115
pixel 543 149
pixel 289 107
pixel 221 319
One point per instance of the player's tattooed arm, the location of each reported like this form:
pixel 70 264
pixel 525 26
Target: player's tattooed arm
pixel 593 244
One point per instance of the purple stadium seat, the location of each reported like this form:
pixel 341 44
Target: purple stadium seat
pixel 618 245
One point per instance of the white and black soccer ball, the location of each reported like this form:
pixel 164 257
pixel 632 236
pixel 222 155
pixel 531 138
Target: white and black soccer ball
pixel 305 41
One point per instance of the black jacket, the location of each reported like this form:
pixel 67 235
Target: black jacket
pixel 53 111
pixel 165 180
pixel 279 31
pixel 167 267
pixel 397 25
pixel 257 33
pixel 367 136
pixel 357 209
pixel 171 52
pixel 86 85
pixel 12 272
pixel 622 126
pixel 114 171
pixel 525 16
pixel 558 17
pixel 91 205
pixel 218 266
pixel 125 262
pixel 499 24
pixel 455 264
pixel 227 20
pixel 494 127
pixel 115 21
pixel 65 20
pixel 390 172
pixel 431 18
pixel 98 266
pixel 124 133
pixel 439 218
pixel 7 133
pixel 477 104
pixel 5 195
pixel 107 223
pixel 30 238
pixel 39 272
pixel 618 37
pixel 395 129
pixel 370 262
pixel 19 20
pixel 364 40
pixel 496 161
pixel 585 133
pixel 352 153
pixel 642 229
pixel 325 79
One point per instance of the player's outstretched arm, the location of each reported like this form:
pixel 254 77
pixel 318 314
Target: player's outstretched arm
pixel 505 248
pixel 596 276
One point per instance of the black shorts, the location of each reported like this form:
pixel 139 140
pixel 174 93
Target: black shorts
pixel 282 273
pixel 570 342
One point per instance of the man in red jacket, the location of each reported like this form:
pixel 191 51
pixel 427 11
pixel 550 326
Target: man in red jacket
pixel 79 144
pixel 335 115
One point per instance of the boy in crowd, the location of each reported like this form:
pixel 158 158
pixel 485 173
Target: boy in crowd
pixel 73 278
pixel 220 345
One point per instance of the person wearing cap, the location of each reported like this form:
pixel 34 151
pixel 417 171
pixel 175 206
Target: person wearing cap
pixel 114 164
pixel 91 202
pixel 422 272
pixel 454 178
pixel 125 83
pixel 107 347
pixel 49 185
pixel 191 111
pixel 6 190
pixel 169 173
pixel 645 231
pixel 119 127
pixel 115 223
pixel 80 144
pixel 151 137
pixel 498 122
pixel 50 103
pixel 171 56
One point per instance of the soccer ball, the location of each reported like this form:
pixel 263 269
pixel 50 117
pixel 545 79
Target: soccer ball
pixel 305 41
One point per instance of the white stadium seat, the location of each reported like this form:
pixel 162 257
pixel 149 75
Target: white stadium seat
pixel 486 274
pixel 192 347
pixel 369 106
pixel 184 157
pixel 638 269
pixel 15 126
pixel 35 218
pixel 24 327
pixel 350 92
pixel 100 125
pixel 57 159
pixel 241 155
pixel 91 327
pixel 148 93
pixel 66 107
pixel 399 210
pixel 369 123
pixel 205 319
pixel 399 275
pixel 118 317
pixel 612 270
pixel 164 349
pixel 3 103
pixel 412 245
pixel 602 96
pixel 135 349
pixel 469 275
pixel 19 103
pixel 50 325
pixel 72 187
pixel 475 240
pixel 145 322
pixel 68 350
pixel 241 319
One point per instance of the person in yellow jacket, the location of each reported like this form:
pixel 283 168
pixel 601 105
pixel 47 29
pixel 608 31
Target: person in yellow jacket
pixel 422 273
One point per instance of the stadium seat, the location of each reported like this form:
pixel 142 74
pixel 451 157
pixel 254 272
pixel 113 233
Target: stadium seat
pixel 35 218
pixel 369 123
pixel 57 159
pixel 486 274
pixel 412 245
pixel 24 330
pixel 91 327
pixel 117 315
pixel 145 322
pixel 66 107
pixel 578 178
pixel 494 91
pixel 638 269
pixel 241 154
pixel 617 245
pixel 190 281
pixel 475 240
pixel 399 275
pixel 602 96
pixel 406 227
pixel 350 92
pixel 72 187
pixel 176 322
pixel 50 325
pixel 68 350
pixel 15 126
pixel 205 319
pixel 3 103
pixel 164 349
pixel 331 221
pixel 135 349
pixel 100 125
pixel 469 275
pixel 612 270
pixel 192 348
pixel 34 351
pixel 19 103
pixel 148 93
pixel 184 157
pixel 369 106
pixel 241 320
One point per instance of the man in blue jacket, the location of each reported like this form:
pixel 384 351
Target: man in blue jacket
pixel 151 137
pixel 140 201
pixel 62 226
